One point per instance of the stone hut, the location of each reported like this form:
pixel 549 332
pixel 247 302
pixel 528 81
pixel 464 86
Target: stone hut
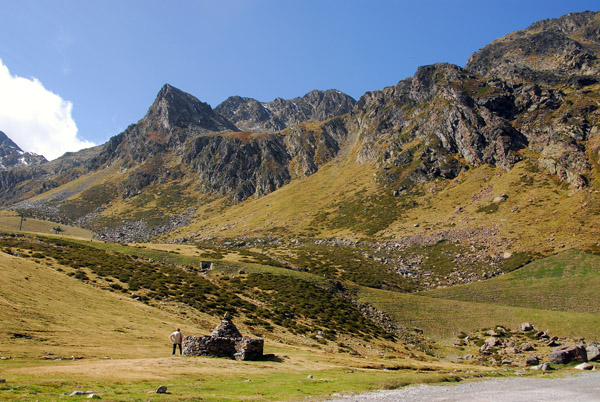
pixel 224 341
pixel 206 266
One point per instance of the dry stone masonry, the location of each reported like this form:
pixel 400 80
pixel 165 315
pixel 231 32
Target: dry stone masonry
pixel 224 341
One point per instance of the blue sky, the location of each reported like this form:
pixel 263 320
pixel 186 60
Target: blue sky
pixel 106 60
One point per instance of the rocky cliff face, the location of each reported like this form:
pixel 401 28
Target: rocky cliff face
pixel 266 117
pixel 535 89
pixel 12 156
pixel 549 52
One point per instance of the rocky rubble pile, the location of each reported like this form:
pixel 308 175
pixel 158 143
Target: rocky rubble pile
pixel 526 346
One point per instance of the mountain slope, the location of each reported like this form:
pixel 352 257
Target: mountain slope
pixel 421 136
pixel 549 51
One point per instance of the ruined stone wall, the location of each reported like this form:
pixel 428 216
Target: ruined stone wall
pixel 249 348
pixel 240 348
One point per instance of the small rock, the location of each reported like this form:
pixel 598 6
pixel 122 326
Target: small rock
pixel 532 360
pixel 584 366
pixel 310 376
pixel 93 396
pixel 525 347
pixel 507 255
pixel 2 380
pixel 492 341
pixel 526 327
pixel 500 198
pixel 161 390
pixel 546 367
pixel 77 393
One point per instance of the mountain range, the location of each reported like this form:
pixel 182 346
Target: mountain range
pixel 524 110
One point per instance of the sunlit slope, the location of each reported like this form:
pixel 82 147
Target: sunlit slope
pixel 11 223
pixel 564 282
pixel 537 212
pixel 443 319
pixel 290 210
pixel 44 311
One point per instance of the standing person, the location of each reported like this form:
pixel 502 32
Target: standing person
pixel 176 337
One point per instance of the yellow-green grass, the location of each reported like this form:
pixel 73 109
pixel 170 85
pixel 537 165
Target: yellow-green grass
pixel 443 319
pixel 10 222
pixel 124 350
pixel 288 211
pixel 211 379
pixel 565 282
pixel 110 174
pixel 66 317
pixel 541 214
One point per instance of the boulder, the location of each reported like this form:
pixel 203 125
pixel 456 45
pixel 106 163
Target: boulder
pixel 584 366
pixel 485 349
pixel 526 327
pixel 525 347
pixel 566 354
pixel 492 341
pixel 500 198
pixel 546 367
pixel 532 360
pixel 592 352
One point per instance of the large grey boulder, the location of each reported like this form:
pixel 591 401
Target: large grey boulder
pixel 566 354
pixel 593 352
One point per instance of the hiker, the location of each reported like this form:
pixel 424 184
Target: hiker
pixel 176 337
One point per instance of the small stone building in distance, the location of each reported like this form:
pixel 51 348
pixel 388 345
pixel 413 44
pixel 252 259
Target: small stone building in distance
pixel 224 341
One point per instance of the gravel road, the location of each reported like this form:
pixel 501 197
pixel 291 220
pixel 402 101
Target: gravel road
pixel 580 388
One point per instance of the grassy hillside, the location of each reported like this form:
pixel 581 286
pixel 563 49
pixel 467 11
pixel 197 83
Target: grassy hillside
pixel 120 347
pixel 565 282
pixel 10 222
pixel 444 319
pixel 45 311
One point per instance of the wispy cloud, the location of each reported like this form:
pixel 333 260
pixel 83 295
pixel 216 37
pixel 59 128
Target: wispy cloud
pixel 36 119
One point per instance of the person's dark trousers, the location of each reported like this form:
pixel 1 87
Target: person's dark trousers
pixel 175 346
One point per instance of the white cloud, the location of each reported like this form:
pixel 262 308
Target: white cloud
pixel 36 119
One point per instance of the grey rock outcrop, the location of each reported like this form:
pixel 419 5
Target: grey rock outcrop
pixel 11 155
pixel 267 117
pixel 545 52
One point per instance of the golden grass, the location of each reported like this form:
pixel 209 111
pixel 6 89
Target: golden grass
pixel 10 222
pixel 443 319
pixel 66 317
pixel 289 210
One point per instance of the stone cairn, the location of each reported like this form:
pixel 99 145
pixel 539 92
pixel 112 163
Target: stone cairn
pixel 224 341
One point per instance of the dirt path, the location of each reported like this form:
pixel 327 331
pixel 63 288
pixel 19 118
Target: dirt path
pixel 580 388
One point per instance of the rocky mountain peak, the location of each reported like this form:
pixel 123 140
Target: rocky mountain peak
pixel 174 108
pixel 251 115
pixel 546 52
pixel 11 155
pixel 7 146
